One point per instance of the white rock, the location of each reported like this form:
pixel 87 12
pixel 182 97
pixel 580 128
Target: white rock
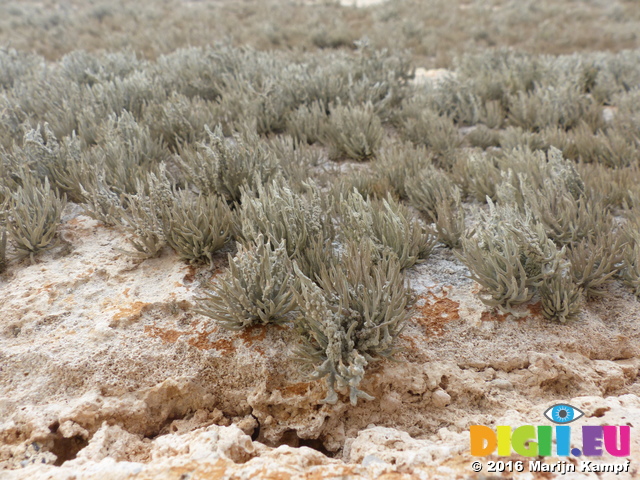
pixel 440 398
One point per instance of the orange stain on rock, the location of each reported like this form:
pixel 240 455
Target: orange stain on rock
pixel 131 312
pixel 197 339
pixel 436 312
pixel 493 317
pixel 254 333
pixel 299 389
pixel 535 308
pixel 166 335
pixel 201 342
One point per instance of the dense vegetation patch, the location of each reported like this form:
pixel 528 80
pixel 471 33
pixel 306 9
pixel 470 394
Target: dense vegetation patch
pixel 334 171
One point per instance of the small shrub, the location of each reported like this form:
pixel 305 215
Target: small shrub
pixel 197 226
pixel 301 221
pixel 479 175
pixel 614 188
pixel 551 188
pixel 256 289
pixel 399 161
pixel 33 216
pixel 180 120
pixel 368 183
pixel 352 318
pixel 61 162
pixel 388 225
pixel 550 106
pixel 436 132
pixel 100 202
pixel 610 146
pixel 353 132
pixel 307 123
pixel 223 166
pixel 630 269
pixel 508 256
pixel 493 116
pixel 126 153
pixel 143 215
pixel 428 188
pixel 450 219
pixel 453 99
pixel 561 299
pixel 517 137
pixel 483 137
pixel 595 260
pixel 273 106
pixel 297 160
pixel 566 219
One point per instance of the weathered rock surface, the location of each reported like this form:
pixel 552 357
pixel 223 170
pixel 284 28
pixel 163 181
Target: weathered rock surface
pixel 106 371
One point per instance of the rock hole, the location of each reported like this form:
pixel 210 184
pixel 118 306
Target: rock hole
pixel 67 448
pixel 256 431
pixel 291 438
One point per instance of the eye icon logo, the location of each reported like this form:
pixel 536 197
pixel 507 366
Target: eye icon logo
pixel 563 413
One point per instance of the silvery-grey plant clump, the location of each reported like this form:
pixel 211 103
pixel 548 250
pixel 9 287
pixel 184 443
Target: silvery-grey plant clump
pixel 180 120
pixel 398 162
pixel 509 256
pixel 302 221
pixel 100 202
pixel 550 188
pixel 567 220
pixel 197 226
pixel 560 297
pixel 350 318
pixel 483 137
pixel 436 132
pixel 613 147
pixel 353 132
pixel 427 189
pixel 615 189
pixel 596 260
pixel 16 65
pixel 223 166
pixel 256 289
pixel 297 160
pixel 60 161
pixel 105 172
pixel 630 273
pixel 33 216
pixel 307 122
pixel 143 214
pixel 389 225
pixel 630 270
pixel 479 175
pixel 549 106
pixel 450 224
pixel 126 152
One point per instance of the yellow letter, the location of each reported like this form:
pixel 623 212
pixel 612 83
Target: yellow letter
pixel 504 440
